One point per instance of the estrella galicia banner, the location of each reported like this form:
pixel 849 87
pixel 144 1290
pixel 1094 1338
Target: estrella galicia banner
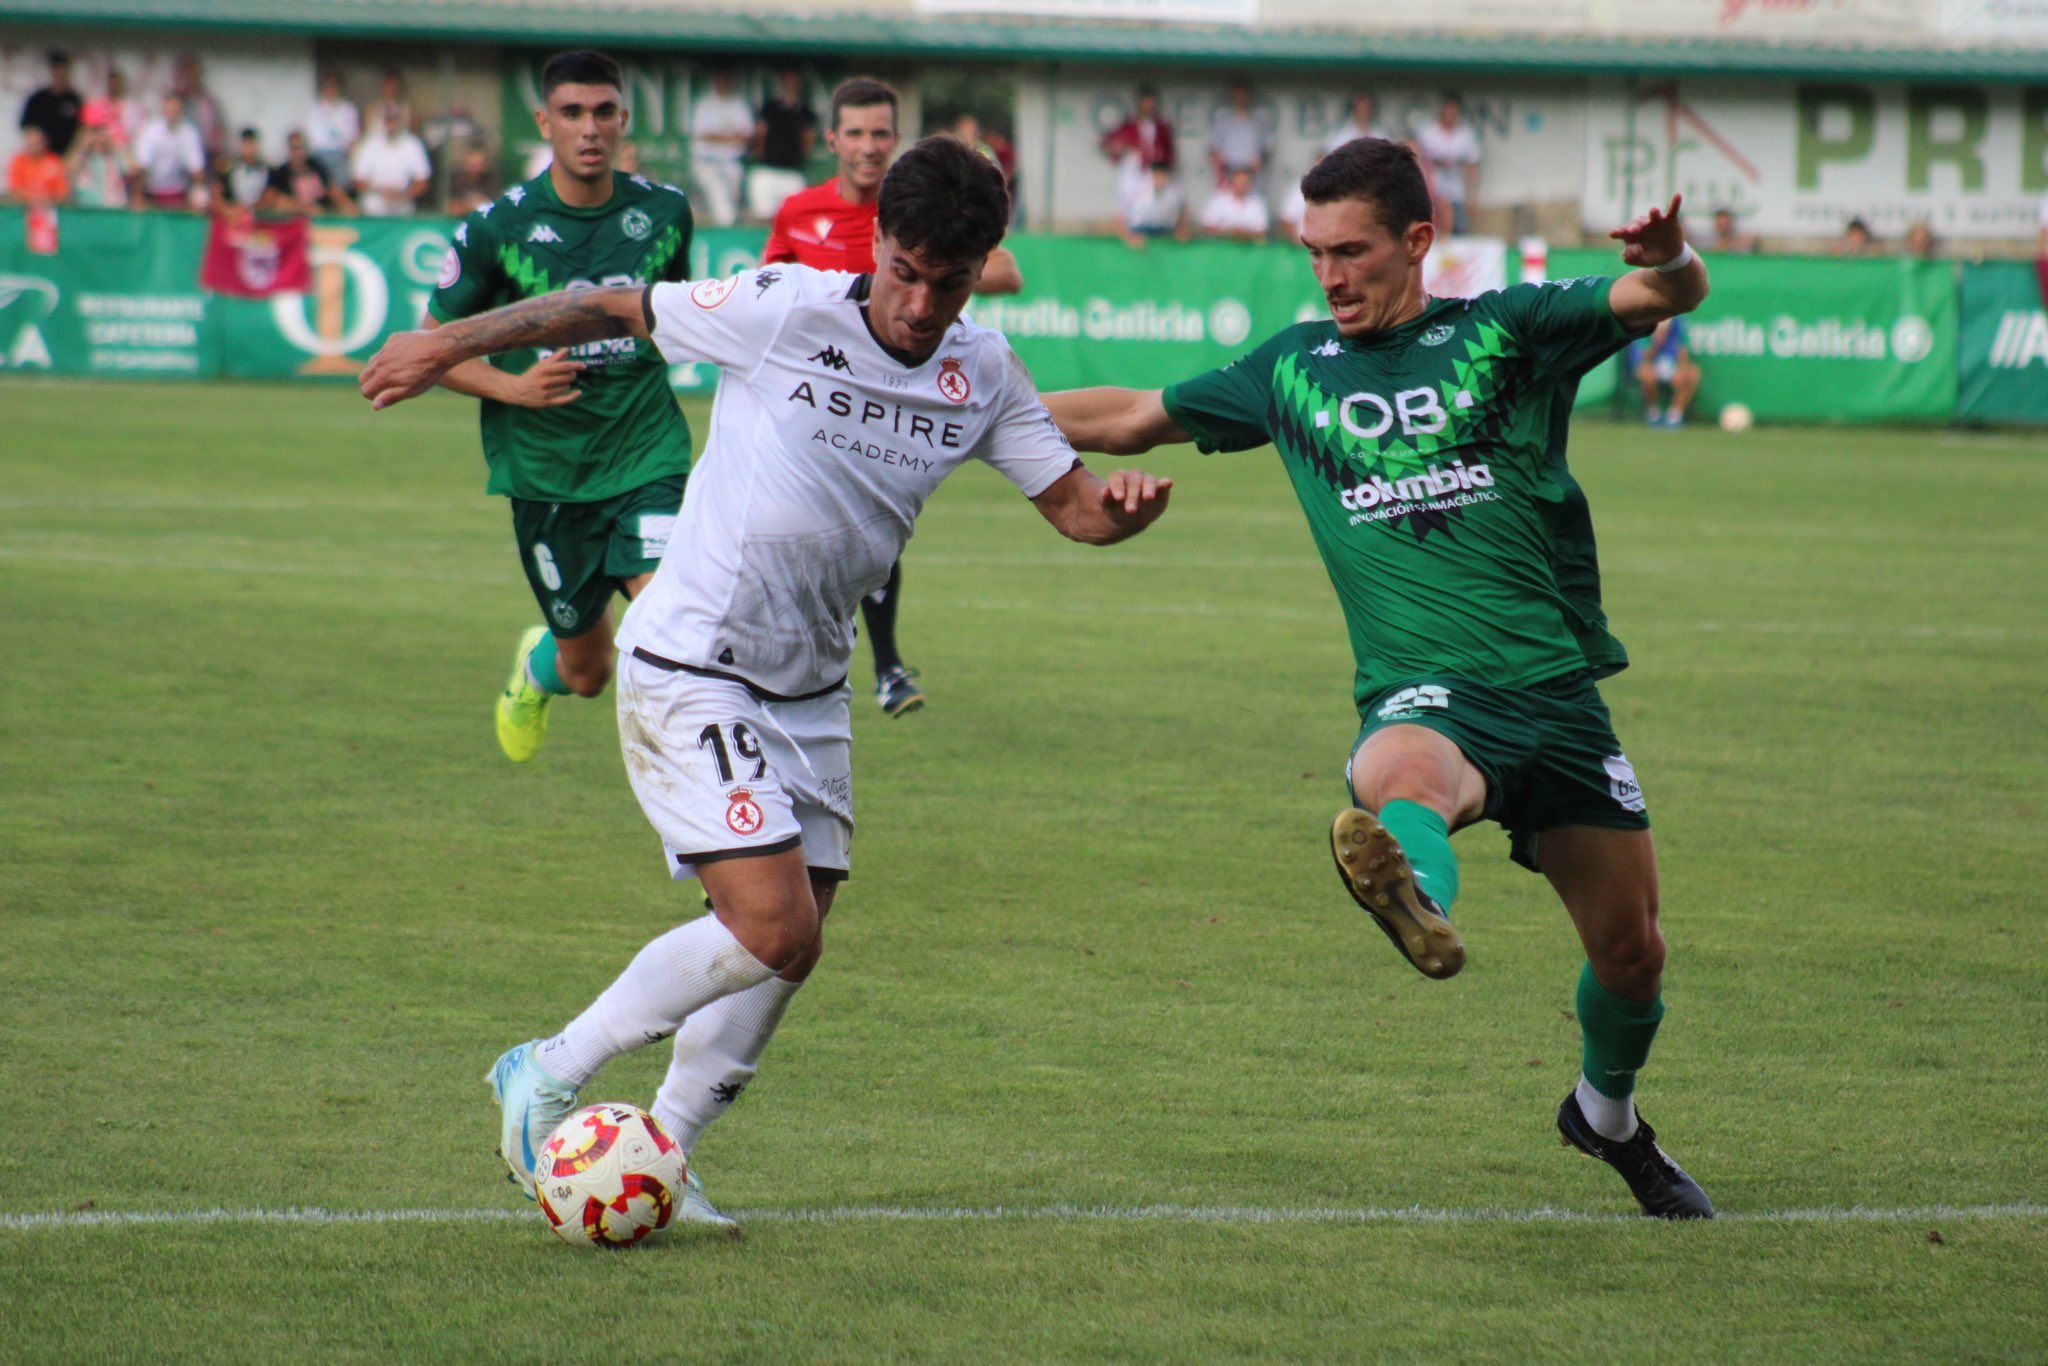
pixel 1797 340
pixel 1804 340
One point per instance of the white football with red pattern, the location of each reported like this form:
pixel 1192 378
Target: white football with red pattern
pixel 608 1176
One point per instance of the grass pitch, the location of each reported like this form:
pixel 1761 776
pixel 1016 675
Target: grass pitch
pixel 273 902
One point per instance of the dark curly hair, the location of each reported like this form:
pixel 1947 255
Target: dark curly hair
pixel 946 200
pixel 1384 174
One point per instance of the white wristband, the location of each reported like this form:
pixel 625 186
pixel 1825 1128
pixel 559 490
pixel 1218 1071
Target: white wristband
pixel 1686 256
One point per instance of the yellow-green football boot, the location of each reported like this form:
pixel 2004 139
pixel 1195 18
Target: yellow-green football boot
pixel 523 708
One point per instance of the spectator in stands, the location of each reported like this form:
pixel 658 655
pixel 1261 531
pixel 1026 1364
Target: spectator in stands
pixel 332 126
pixel 117 113
pixel 36 175
pixel 171 158
pixel 1726 239
pixel 56 108
pixel 784 133
pixel 472 181
pixel 1159 208
pixel 390 169
pixel 1295 206
pixel 1238 211
pixel 1240 136
pixel 1663 359
pixel 101 171
pixel 721 131
pixel 244 180
pixel 966 127
pixel 391 95
pixel 301 184
pixel 447 134
pixel 1920 241
pixel 1136 145
pixel 1856 240
pixel 1450 147
pixel 1004 149
pixel 1439 207
pixel 188 82
pixel 1362 122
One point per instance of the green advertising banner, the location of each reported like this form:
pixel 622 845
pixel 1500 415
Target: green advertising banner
pixel 2003 371
pixel 1794 339
pixel 1804 340
pixel 121 296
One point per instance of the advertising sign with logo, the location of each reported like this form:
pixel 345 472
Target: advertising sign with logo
pixel 1819 341
pixel 2004 361
pixel 1802 160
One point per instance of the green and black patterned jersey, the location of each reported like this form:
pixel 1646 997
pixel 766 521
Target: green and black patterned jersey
pixel 1430 460
pixel 626 430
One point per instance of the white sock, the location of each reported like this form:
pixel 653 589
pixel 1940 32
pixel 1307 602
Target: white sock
pixel 673 977
pixel 717 1053
pixel 1610 1118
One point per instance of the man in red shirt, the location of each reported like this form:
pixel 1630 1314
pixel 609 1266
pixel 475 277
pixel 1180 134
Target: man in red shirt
pixel 832 227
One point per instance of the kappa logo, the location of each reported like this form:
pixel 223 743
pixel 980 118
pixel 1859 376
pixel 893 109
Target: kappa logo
pixel 484 210
pixel 635 223
pixel 516 194
pixel 462 233
pixel 832 358
pixel 1411 701
pixel 726 1092
pixel 543 233
pixel 953 385
pixel 1438 335
pixel 765 280
pixel 1328 348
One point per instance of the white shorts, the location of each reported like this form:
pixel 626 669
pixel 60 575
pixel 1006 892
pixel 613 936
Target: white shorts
pixel 724 773
pixel 1664 368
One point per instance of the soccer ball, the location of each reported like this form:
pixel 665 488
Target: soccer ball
pixel 608 1176
pixel 1736 417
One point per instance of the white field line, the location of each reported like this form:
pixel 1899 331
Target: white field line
pixel 1077 1214
pixel 1051 604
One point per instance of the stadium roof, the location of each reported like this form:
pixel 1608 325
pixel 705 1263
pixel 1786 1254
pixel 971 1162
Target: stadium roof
pixel 622 24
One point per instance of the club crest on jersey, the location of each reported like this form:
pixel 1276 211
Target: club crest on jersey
pixel 1438 335
pixel 953 385
pixel 451 269
pixel 709 294
pixel 635 223
pixel 742 812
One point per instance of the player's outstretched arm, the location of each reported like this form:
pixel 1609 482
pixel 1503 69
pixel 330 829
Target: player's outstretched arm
pixel 1082 507
pixel 549 382
pixel 1671 280
pixel 1114 421
pixel 410 363
pixel 1001 275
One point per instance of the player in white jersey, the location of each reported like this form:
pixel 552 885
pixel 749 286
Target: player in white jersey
pixel 843 401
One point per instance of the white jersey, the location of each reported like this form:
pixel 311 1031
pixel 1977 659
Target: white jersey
pixel 822 451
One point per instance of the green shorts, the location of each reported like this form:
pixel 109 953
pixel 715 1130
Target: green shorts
pixel 577 554
pixel 1547 752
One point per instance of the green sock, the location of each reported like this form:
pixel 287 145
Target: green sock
pixel 1426 840
pixel 1617 1033
pixel 540 667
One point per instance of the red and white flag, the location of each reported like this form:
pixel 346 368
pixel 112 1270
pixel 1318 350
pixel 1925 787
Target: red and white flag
pixel 253 259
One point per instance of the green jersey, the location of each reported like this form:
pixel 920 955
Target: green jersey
pixel 1430 461
pixel 626 430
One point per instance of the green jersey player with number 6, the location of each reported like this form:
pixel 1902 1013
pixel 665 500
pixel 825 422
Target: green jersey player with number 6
pixel 1425 439
pixel 587 442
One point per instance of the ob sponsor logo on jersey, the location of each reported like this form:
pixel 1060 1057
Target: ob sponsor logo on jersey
pixel 1437 487
pixel 887 422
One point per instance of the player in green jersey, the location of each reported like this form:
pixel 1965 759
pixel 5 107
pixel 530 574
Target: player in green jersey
pixel 1425 439
pixel 588 443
